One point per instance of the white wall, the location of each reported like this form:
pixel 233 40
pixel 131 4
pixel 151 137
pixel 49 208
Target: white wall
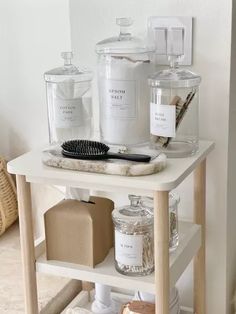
pixel 32 35
pixel 94 20
pixel 231 221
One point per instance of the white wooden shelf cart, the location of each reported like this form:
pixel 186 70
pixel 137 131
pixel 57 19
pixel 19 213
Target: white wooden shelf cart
pixel 169 267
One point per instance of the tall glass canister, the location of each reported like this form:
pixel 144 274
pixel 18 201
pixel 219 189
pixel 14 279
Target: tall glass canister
pixel 69 102
pixel 123 69
pixel 174 111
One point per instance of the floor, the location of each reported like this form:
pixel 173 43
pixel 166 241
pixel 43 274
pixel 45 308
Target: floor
pixel 11 285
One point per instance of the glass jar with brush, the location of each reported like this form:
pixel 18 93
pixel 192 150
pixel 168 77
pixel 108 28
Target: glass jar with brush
pixel 174 112
pixel 174 103
pixel 134 246
pixel 123 69
pixel 69 102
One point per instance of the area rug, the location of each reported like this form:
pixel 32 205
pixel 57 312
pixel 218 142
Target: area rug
pixel 11 282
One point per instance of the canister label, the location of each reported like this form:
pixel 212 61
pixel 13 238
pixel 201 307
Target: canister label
pixel 120 99
pixel 68 112
pixel 129 249
pixel 162 120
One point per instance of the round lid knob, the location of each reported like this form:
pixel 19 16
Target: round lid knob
pixel 67 56
pixel 124 21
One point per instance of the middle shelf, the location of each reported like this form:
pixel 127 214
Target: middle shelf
pixel 105 272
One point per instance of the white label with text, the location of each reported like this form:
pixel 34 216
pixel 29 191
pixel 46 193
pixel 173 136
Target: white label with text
pixel 163 120
pixel 129 249
pixel 120 99
pixel 68 112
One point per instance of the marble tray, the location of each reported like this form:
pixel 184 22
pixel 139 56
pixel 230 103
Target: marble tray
pixel 54 158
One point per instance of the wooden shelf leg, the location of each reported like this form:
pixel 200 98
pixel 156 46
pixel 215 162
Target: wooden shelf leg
pixel 27 245
pixel 161 246
pixel 200 218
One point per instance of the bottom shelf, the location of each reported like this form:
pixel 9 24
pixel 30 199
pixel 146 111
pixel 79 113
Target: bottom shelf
pixel 82 301
pixel 105 272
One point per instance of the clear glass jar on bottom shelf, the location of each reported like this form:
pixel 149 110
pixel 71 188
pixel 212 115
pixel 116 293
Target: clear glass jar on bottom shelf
pixel 146 264
pixel 134 246
pixel 174 200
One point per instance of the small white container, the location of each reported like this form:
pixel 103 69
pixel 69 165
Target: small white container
pixel 69 102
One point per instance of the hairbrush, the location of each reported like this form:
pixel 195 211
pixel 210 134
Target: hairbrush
pixel 92 150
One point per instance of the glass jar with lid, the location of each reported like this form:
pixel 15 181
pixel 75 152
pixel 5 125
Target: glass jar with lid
pixel 69 102
pixel 174 200
pixel 174 111
pixel 134 246
pixel 123 69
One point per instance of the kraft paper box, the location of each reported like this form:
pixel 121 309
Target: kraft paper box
pixel 79 232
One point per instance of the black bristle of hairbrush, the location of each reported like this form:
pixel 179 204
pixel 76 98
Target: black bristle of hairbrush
pixel 85 147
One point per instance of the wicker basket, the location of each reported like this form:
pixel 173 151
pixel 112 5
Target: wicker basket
pixel 8 198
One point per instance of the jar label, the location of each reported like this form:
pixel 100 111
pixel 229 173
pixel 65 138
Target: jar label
pixel 120 99
pixel 68 112
pixel 163 120
pixel 129 249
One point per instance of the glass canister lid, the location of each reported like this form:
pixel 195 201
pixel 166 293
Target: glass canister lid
pixel 174 78
pixel 135 212
pixel 68 71
pixel 124 43
pixel 147 202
